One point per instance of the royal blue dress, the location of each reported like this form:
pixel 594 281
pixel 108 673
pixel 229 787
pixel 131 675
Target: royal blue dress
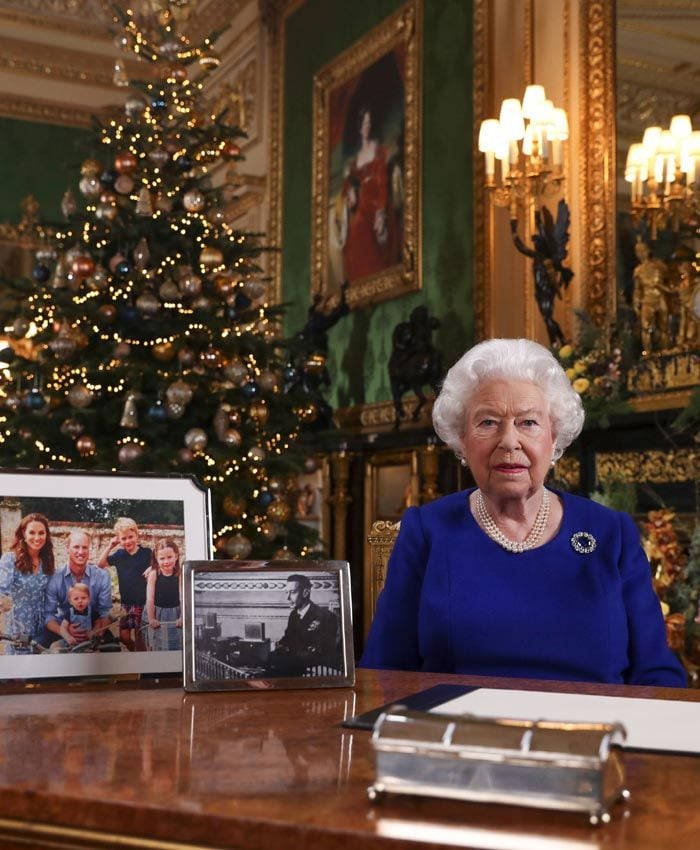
pixel 456 602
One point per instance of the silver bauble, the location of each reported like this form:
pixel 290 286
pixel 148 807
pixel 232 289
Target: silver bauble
pixel 193 200
pixel 235 370
pixel 191 284
pixel 231 437
pixel 169 291
pixel 238 547
pixel 254 289
pixel 134 106
pixel 196 439
pixel 174 410
pixel 256 454
pixel 90 186
pixel 269 381
pixel 72 428
pixel 158 156
pixel 147 304
pixel 79 396
pixel 179 392
pixel 129 452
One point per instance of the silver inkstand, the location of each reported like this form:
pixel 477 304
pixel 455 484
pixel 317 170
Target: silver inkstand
pixel 550 765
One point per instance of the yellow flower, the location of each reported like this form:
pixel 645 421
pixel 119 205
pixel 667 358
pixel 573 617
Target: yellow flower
pixel 581 385
pixel 565 351
pixel 570 374
pixel 579 367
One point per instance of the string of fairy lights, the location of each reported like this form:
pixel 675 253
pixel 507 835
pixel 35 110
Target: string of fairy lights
pixel 150 285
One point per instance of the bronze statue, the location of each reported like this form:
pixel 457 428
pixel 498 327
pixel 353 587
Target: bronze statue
pixel 651 291
pixel 414 361
pixel 551 275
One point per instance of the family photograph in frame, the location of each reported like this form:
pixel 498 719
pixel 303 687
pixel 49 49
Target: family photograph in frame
pixel 267 624
pixel 91 571
pixel 366 173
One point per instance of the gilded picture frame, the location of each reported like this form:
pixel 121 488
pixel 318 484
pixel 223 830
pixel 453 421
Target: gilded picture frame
pixel 366 175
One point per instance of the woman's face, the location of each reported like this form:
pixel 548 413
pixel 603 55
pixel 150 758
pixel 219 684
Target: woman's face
pixel 508 440
pixel 35 536
pixel 166 559
pixel 365 125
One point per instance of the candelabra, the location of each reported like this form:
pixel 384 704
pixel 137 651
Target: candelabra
pixel 662 171
pixel 527 140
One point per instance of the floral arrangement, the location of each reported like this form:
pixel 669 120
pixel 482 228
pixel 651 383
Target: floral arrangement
pixel 596 372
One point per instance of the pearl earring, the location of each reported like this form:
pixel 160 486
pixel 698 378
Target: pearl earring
pixel 464 462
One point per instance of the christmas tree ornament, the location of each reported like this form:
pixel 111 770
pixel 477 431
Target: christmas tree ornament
pixel 269 530
pixel 124 184
pixel 196 439
pixel 315 363
pixel 158 156
pixel 115 260
pixel 284 554
pixel 242 301
pixel 174 410
pixel 108 177
pixel 108 197
pixel 90 187
pixel 158 104
pixel 141 254
pixel 279 511
pixel 147 304
pixel 224 285
pixel 186 356
pixel 179 392
pixel 106 313
pixel 83 266
pixel 222 418
pixel 122 350
pixel 20 326
pixel 86 446
pixel 185 455
pixel 130 417
pixel 164 351
pixel 230 149
pixel 193 201
pixel 144 205
pixel 311 464
pixel 135 107
pixel 256 454
pixel 250 389
pixel 106 212
pixel 46 256
pixel 80 396
pixel 41 273
pixel 98 279
pixel 157 412
pixel 169 49
pixel 231 437
pixel 190 284
pixel 235 370
pixel 202 304
pixel 307 412
pixel 129 453
pixel 183 163
pixel 64 345
pixel 34 400
pixel 12 402
pixel 90 168
pixel 259 411
pixel 216 216
pixel 72 255
pixel 72 428
pixel 178 73
pixel 211 357
pixel 238 547
pixel 254 289
pixel 276 486
pixel 69 205
pixel 210 257
pixel 125 162
pixel 269 381
pixel 122 268
pixel 169 291
pixel 233 507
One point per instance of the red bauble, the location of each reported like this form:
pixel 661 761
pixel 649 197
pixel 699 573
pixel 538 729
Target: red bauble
pixel 83 266
pixel 125 162
pixel 231 149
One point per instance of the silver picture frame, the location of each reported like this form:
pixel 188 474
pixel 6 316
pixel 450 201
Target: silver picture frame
pixel 267 625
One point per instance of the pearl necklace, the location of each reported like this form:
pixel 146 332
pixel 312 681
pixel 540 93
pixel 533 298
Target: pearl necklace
pixel 495 533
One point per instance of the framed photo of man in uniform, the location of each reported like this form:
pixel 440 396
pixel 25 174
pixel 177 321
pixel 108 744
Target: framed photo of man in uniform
pixel 267 624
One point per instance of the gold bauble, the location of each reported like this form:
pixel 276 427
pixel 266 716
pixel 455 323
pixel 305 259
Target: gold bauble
pixel 164 351
pixel 259 411
pixel 238 547
pixel 279 511
pixel 90 168
pixel 80 396
pixel 211 257
pixel 307 413
pixel 269 530
pixel 284 554
pixel 233 507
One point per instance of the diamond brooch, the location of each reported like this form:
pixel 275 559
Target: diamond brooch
pixel 583 542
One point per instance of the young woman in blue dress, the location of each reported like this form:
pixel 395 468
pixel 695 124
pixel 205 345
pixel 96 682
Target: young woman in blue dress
pixel 512 578
pixel 24 573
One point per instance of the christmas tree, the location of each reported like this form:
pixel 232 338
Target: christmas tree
pixel 153 345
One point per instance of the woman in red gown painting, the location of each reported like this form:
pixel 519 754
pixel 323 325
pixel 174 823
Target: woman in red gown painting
pixel 368 246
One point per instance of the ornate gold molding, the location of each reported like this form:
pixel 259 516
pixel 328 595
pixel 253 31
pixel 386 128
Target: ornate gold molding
pixel 45 111
pixel 597 161
pixel 655 467
pixel 402 28
pixel 371 418
pixel 482 211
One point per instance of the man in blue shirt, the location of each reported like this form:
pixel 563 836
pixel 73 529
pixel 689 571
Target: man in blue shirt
pixel 77 569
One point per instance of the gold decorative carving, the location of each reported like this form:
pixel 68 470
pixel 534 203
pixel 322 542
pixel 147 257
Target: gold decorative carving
pixel 655 467
pixel 238 96
pixel 482 207
pixel 597 163
pixel 568 470
pixel 660 371
pixel 46 111
pixel 429 467
pixel 381 539
pixel 381 416
pixel 404 27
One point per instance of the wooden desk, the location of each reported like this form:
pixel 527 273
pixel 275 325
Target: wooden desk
pixel 153 768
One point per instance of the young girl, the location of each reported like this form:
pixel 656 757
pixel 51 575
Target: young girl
pixel 162 617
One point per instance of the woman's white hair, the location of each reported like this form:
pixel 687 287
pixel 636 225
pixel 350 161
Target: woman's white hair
pixel 514 360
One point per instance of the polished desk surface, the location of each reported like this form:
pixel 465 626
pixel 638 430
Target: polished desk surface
pixel 93 766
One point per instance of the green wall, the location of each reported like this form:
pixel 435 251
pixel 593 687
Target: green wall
pixel 41 160
pixel 361 343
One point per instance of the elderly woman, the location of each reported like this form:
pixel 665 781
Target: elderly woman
pixel 512 578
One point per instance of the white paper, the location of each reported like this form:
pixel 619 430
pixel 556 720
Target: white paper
pixel 651 724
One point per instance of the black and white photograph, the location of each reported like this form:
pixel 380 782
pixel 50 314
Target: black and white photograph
pixel 267 624
pixel 91 579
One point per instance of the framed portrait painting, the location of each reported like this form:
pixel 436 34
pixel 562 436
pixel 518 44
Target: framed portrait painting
pixel 366 228
pixel 91 571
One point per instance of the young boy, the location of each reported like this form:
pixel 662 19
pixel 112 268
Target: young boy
pixel 132 561
pixel 79 611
